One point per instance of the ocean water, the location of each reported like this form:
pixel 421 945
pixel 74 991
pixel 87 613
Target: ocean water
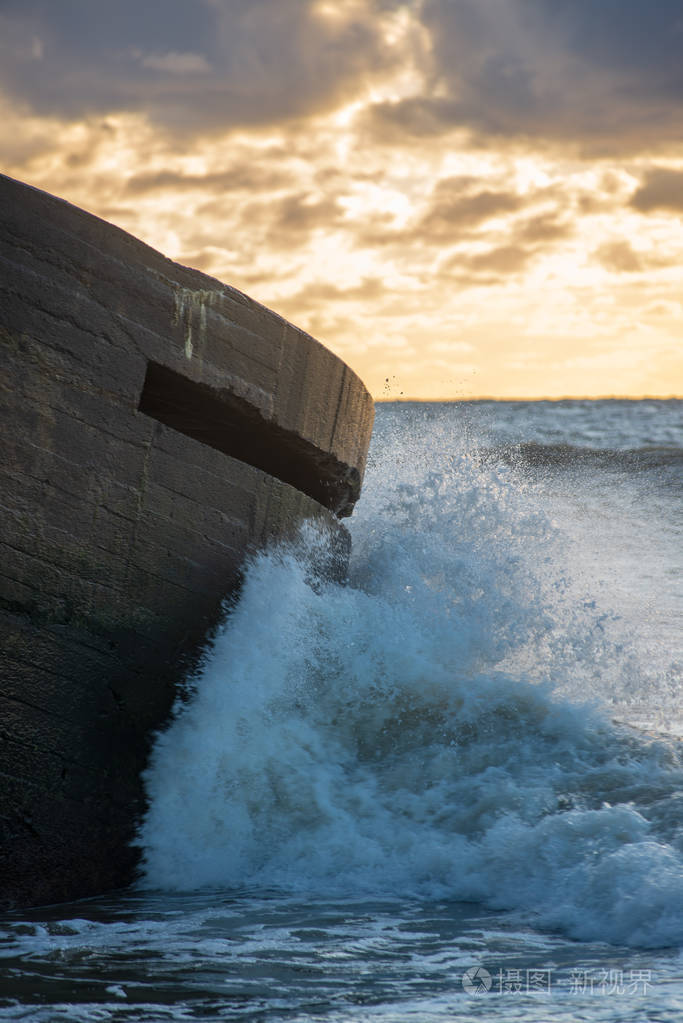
pixel 448 789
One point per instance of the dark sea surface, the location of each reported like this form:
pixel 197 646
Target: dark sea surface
pixel 451 788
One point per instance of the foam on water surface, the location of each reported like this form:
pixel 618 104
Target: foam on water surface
pixel 442 725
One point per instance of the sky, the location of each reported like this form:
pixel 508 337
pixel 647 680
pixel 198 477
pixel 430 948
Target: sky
pixel 461 198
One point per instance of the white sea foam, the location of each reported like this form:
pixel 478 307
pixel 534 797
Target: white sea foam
pixel 419 730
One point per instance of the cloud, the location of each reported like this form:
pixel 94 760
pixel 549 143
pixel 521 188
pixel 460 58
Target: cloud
pixel 176 63
pixel 279 223
pixel 403 120
pixel 460 211
pixel 450 209
pixel 607 75
pixel 490 266
pixel 546 227
pixel 301 213
pixel 370 185
pixel 245 176
pixel 662 189
pixel 187 64
pixel 319 294
pixel 518 245
pixel 621 257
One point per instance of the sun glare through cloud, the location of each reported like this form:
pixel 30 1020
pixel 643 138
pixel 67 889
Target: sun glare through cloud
pixel 470 203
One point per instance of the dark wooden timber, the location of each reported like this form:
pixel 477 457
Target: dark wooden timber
pixel 157 426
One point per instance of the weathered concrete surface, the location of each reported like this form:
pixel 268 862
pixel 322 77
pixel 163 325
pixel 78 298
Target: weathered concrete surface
pixel 147 410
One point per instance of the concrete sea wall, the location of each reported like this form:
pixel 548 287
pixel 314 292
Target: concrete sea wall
pixel 157 425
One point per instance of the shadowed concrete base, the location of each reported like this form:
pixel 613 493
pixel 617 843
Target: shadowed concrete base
pixel 158 425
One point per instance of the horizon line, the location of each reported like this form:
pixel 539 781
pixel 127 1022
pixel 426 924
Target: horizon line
pixel 564 397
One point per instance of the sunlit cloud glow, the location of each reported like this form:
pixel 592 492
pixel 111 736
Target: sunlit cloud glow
pixel 458 196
